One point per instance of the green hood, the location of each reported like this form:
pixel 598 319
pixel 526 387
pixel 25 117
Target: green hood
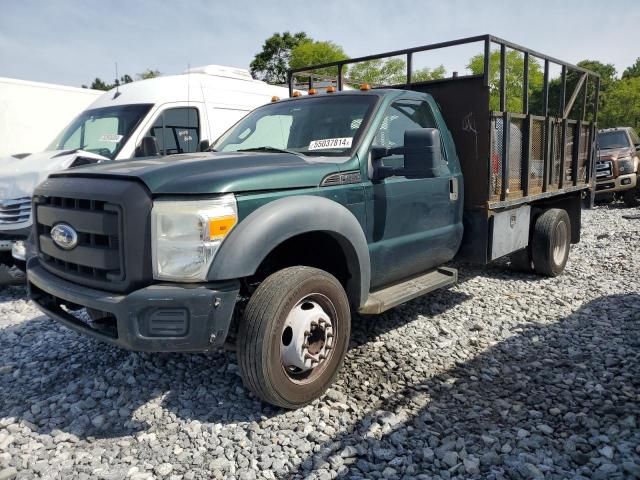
pixel 210 172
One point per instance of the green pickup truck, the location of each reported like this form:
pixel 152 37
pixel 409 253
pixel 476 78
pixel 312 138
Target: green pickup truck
pixel 308 209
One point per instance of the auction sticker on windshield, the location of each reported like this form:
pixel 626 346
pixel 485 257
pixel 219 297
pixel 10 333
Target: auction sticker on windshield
pixel 111 137
pixel 344 142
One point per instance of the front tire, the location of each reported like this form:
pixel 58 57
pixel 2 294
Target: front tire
pixel 551 242
pixel 294 336
pixel 631 198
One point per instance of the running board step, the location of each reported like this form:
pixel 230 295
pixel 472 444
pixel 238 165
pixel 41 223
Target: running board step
pixel 382 300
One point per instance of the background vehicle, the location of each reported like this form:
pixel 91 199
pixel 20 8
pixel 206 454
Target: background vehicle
pixel 33 113
pixel 618 165
pixel 165 115
pixel 307 209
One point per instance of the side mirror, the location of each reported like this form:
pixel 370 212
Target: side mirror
pixel 203 146
pixel 637 145
pixel 422 153
pixel 148 147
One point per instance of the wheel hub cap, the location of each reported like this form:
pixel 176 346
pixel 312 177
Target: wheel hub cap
pixel 307 337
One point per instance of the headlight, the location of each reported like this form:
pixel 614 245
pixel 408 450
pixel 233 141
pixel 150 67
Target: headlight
pixel 187 234
pixel 625 165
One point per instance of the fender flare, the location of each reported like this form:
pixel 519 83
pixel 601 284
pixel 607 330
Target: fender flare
pixel 249 243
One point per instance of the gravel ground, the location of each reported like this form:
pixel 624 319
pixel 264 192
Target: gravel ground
pixel 503 376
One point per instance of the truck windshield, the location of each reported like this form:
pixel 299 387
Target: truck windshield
pixel 327 125
pixel 608 140
pixel 103 131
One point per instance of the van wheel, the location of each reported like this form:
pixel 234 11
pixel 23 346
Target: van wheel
pixel 631 199
pixel 294 336
pixel 521 261
pixel 551 242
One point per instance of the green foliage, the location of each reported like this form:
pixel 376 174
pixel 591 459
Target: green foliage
pixel 272 62
pixel 310 52
pixel 98 84
pixel 424 74
pixel 379 72
pixel 607 72
pixel 148 73
pixel 621 104
pixel 514 78
pixel 632 71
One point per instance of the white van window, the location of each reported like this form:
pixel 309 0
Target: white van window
pixel 177 130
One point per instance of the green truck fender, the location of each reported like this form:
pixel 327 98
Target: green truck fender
pixel 249 243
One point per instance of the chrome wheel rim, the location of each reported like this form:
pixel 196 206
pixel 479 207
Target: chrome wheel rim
pixel 560 242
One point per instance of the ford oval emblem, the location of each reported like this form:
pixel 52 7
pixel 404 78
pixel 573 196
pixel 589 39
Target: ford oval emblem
pixel 64 236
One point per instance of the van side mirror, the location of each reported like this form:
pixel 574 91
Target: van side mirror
pixel 422 153
pixel 148 147
pixel 203 146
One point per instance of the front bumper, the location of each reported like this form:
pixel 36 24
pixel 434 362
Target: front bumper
pixel 620 184
pixel 158 318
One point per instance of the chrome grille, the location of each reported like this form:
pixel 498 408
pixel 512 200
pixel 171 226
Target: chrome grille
pixel 15 210
pixel 604 168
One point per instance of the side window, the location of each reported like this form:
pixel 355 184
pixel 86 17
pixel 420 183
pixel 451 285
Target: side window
pixel 634 136
pixel 177 130
pixel 401 116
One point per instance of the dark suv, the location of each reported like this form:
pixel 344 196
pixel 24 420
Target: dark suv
pixel 617 167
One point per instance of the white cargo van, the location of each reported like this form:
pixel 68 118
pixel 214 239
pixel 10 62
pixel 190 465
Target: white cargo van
pixel 164 115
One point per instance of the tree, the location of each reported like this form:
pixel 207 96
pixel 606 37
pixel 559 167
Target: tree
pixel 424 74
pixel 514 79
pixel 272 63
pixel 633 70
pixel 379 72
pixel 622 104
pixel 309 52
pixel 98 84
pixel 148 73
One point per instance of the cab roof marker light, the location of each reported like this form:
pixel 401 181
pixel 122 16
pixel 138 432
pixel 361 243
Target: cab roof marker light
pixel 312 91
pixel 365 86
pixel 275 98
pixel 331 89
pixel 296 94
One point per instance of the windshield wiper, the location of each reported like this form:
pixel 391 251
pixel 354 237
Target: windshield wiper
pixel 269 149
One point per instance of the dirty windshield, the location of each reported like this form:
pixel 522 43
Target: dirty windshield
pixel 609 140
pixel 327 125
pixel 101 130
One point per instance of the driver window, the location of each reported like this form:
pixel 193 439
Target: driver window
pixel 401 116
pixel 177 130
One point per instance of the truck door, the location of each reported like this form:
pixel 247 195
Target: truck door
pixel 414 224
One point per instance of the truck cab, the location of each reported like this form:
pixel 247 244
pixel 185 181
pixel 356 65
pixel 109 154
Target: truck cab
pixel 306 210
pixel 159 116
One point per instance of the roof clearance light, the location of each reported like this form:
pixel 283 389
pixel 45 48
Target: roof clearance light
pixel 331 89
pixel 296 94
pixel 275 98
pixel 312 91
pixel 365 86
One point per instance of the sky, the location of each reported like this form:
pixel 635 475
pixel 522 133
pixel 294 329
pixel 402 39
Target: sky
pixel 72 42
